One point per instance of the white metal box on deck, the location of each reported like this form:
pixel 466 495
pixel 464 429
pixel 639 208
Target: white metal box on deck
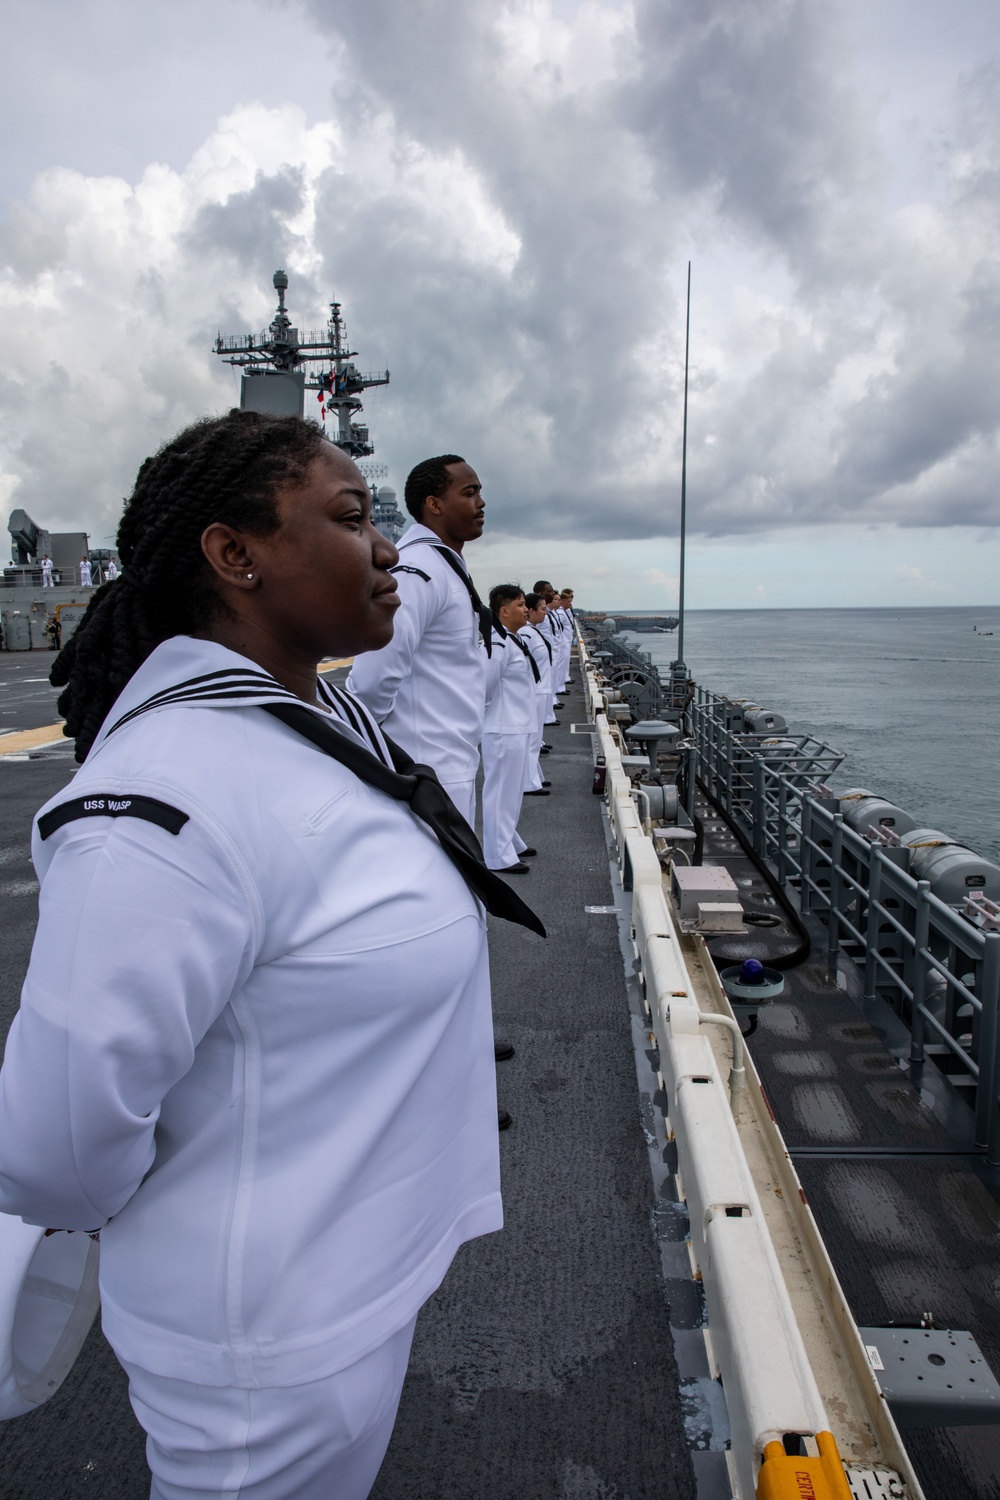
pixel 693 885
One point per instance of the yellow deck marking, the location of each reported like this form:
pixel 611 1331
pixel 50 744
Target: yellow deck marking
pixel 30 739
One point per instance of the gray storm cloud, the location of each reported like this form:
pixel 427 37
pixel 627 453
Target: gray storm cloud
pixel 736 122
pixel 504 199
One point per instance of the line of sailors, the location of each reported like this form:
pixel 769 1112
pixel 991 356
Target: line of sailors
pixel 528 667
pixel 460 679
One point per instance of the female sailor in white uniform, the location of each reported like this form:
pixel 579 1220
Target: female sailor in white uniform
pixel 508 731
pixel 542 655
pixel 254 1046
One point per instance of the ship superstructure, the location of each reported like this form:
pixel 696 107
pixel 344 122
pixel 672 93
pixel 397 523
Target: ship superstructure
pixel 277 371
pixel 386 514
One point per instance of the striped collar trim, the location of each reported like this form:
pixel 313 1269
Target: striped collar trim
pixel 242 687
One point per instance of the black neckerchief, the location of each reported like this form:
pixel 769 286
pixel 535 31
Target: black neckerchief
pixel 479 608
pixel 407 781
pixel 541 636
pixel 511 635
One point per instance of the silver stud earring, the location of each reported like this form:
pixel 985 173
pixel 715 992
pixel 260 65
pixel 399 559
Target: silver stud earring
pixel 249 575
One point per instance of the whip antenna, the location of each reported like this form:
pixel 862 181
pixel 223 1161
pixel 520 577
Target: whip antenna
pixel 678 670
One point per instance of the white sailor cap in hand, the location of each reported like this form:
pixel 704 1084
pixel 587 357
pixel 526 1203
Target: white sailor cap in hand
pixel 48 1300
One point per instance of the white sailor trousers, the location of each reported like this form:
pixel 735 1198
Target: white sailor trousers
pixel 533 765
pixel 463 794
pixel 505 758
pixel 565 647
pixel 324 1440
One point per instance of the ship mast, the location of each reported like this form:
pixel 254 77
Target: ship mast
pixel 276 375
pixel 276 370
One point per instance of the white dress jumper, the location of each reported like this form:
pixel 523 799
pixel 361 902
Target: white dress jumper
pixel 509 728
pixel 542 655
pixel 564 637
pixel 427 687
pixel 255 1050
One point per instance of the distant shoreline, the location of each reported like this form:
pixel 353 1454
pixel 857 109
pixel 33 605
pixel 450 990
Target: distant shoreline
pixel 795 609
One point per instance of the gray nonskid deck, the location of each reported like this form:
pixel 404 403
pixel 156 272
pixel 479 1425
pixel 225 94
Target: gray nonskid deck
pixel 27 700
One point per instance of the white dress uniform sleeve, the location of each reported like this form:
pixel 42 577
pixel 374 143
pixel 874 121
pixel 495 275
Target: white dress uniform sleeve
pixel 142 939
pixel 375 677
pixel 496 664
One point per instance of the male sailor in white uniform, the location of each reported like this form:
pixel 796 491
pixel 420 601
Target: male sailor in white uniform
pixel 567 608
pixel 427 687
pixel 540 647
pixel 559 620
pixel 550 630
pixel 508 732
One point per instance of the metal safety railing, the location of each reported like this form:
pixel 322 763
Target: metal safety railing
pixel 938 971
pixel 767 1375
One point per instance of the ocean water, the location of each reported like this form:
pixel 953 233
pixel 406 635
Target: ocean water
pixel 911 696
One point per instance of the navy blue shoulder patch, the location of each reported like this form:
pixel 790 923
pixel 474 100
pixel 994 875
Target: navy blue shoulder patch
pixel 118 805
pixel 405 568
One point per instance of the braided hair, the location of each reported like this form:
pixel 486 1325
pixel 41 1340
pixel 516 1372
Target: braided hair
pixel 222 469
pixel 430 477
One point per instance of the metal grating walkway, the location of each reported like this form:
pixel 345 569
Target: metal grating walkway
pixel 907 1232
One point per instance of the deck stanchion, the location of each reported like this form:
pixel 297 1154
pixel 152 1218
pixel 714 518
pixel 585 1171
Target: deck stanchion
pixel 922 934
pixel 782 832
pixel 757 808
pixel 871 939
pixel 833 932
pixel 806 857
pixel 987 1112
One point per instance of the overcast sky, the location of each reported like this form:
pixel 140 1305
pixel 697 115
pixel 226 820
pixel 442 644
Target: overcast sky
pixel 504 194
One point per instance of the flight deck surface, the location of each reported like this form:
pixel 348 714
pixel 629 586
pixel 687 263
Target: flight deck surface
pixel 27 699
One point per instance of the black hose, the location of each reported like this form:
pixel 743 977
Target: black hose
pixel 698 851
pixel 798 954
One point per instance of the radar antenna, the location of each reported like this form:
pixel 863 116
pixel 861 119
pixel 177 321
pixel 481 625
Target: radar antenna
pixel 679 690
